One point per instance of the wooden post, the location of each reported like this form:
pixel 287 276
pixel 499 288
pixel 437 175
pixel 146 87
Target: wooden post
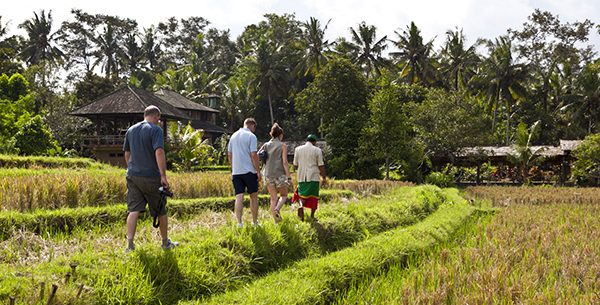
pixel 52 294
pixel 73 266
pixel 42 288
pixel 12 299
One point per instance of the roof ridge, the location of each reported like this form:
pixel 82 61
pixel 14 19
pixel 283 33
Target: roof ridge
pixel 137 96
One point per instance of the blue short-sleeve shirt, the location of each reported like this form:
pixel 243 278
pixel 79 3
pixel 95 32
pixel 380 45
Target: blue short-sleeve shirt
pixel 142 139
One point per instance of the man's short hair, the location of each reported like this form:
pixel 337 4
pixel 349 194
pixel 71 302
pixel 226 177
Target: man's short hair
pixel 249 121
pixel 151 110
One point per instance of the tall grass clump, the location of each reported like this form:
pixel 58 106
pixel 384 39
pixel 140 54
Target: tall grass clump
pixel 526 254
pixel 41 162
pixel 30 189
pixel 53 191
pixel 507 195
pixel 365 187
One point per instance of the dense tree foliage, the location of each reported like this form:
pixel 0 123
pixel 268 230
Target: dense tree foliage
pixel 374 109
pixel 587 166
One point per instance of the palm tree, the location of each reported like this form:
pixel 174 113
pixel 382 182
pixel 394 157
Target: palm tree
pixel 315 58
pixel 270 71
pixel 365 50
pixel 39 47
pixel 108 51
pixel 503 78
pixel 171 79
pixel 236 100
pixel 525 155
pixel 132 54
pixel 152 50
pixel 586 100
pixel 200 81
pixel 416 57
pixel 458 61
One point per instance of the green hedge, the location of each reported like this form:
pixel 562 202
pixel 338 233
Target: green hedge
pixel 10 161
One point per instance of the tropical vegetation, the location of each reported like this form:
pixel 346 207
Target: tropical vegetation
pixel 285 70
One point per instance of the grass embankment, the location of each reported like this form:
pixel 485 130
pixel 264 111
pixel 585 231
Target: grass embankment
pixel 319 280
pixel 212 257
pixel 508 195
pixel 30 162
pixel 27 190
pixel 545 250
pixel 43 222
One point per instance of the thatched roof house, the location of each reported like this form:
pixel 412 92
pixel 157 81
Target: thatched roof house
pixel 127 104
pixel 202 117
pixel 119 110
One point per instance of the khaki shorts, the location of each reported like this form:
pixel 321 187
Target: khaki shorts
pixel 142 190
pixel 280 181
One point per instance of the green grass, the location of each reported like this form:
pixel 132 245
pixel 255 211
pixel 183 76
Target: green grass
pixel 214 256
pixel 67 219
pixel 31 162
pixel 319 280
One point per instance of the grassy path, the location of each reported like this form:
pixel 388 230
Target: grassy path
pixel 214 256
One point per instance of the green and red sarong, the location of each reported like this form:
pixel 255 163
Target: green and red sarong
pixel 309 191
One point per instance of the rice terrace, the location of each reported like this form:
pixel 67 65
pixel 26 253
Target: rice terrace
pixel 376 242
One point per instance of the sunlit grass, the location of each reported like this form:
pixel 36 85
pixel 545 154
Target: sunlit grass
pixel 213 257
pixel 525 254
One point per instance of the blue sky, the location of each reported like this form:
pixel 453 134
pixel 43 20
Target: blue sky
pixel 477 18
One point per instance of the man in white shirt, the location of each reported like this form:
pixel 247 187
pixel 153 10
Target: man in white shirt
pixel 243 158
pixel 308 161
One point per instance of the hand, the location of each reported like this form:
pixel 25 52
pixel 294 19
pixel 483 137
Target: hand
pixel 324 182
pixel 164 182
pixel 258 176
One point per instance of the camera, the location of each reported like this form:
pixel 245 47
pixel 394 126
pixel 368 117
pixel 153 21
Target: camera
pixel 163 191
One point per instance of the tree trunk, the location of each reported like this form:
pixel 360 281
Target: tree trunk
pixel 271 107
pixel 387 167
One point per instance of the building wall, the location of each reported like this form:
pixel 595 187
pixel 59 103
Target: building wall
pixel 114 156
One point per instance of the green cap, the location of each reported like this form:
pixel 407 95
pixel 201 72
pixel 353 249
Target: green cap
pixel 311 138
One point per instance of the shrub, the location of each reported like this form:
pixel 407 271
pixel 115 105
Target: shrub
pixel 439 179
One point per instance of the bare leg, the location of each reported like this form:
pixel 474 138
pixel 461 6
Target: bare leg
pixel 254 206
pixel 283 193
pixel 301 209
pixel 312 214
pixel 162 228
pixel 131 227
pixel 273 193
pixel 239 206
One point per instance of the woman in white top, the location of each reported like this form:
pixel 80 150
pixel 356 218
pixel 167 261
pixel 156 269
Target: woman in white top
pixel 276 171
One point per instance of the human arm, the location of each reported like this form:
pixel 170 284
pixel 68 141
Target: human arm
pixel 256 163
pixel 161 160
pixel 127 156
pixel 230 157
pixel 322 170
pixel 286 164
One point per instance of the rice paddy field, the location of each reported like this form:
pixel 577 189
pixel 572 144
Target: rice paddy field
pixel 62 236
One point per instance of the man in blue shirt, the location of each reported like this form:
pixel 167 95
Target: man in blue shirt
pixel 146 172
pixel 243 158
